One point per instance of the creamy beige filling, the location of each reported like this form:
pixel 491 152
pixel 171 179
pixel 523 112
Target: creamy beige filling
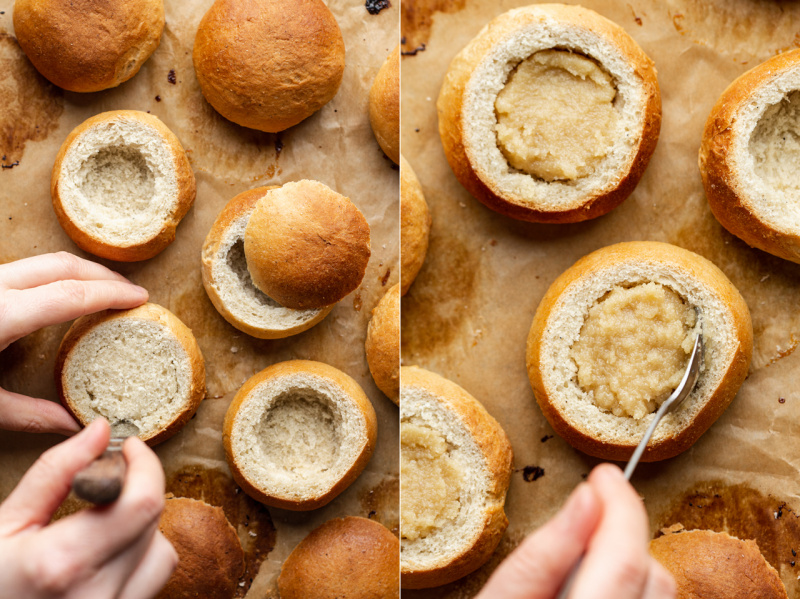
pixel 555 116
pixel 633 348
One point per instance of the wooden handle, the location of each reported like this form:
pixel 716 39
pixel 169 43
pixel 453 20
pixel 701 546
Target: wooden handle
pixel 101 481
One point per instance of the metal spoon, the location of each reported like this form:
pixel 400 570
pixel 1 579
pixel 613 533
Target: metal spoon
pixel 101 481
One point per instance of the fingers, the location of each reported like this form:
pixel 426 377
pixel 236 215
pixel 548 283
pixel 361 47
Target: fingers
pixel 539 566
pixel 153 571
pixel 660 583
pixel 48 268
pixel 33 415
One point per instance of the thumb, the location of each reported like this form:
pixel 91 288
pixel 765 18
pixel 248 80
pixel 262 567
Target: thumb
pixel 538 567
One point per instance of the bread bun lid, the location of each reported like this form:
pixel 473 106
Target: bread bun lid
pixel 228 283
pixel 306 246
pixel 141 365
pixel 348 557
pixel 86 46
pixel 210 555
pixel 611 113
pixel 268 64
pixel 664 275
pixel 455 468
pixel 415 226
pixel 298 433
pixel 715 565
pixel 120 185
pixel 384 106
pixel 383 344
pixel 748 161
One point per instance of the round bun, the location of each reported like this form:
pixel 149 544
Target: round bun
pixel 210 556
pixel 720 315
pixel 469 463
pixel 603 174
pixel 120 185
pixel 268 64
pixel 748 160
pixel 228 283
pixel 715 565
pixel 85 46
pixel 383 344
pixel 141 365
pixel 298 433
pixel 348 557
pixel 306 246
pixel 384 106
pixel 415 226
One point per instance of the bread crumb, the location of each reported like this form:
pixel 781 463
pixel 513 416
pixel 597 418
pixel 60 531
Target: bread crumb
pixel 234 349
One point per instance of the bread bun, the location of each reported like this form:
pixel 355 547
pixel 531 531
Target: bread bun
pixel 120 185
pixel 306 246
pixel 86 46
pixel 383 344
pixel 141 365
pixel 715 565
pixel 455 468
pixel 611 340
pixel 348 557
pixel 530 75
pixel 228 283
pixel 268 64
pixel 748 160
pixel 210 556
pixel 298 433
pixel 384 106
pixel 415 225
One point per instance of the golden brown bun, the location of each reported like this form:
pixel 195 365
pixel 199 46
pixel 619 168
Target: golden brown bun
pixel 497 194
pixel 415 226
pixel 383 344
pixel 151 312
pixel 727 334
pixel 210 556
pixel 384 106
pixel 268 64
pixel 88 45
pixel 181 202
pixel 715 565
pixel 729 190
pixel 306 246
pixel 348 557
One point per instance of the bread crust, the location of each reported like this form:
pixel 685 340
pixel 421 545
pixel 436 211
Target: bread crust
pixel 715 565
pixel 450 107
pixel 415 226
pixel 499 458
pixel 154 313
pixel 242 203
pixel 336 377
pixel 88 45
pixel 182 203
pixel 348 557
pixel 701 270
pixel 384 106
pixel 268 64
pixel 726 195
pixel 383 344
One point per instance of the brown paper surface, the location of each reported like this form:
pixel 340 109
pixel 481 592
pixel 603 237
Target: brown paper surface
pixel 468 314
pixel 335 146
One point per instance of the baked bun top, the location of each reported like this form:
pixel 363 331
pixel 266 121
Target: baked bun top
pixel 415 226
pixel 88 45
pixel 346 557
pixel 384 106
pixel 383 344
pixel 306 246
pixel 268 64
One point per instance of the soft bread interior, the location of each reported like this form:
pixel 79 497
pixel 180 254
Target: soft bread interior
pixel 129 369
pixel 446 522
pixel 118 181
pixel 480 118
pixel 295 436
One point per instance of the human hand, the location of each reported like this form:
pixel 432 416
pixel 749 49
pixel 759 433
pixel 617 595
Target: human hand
pixel 604 521
pixel 41 291
pixel 113 551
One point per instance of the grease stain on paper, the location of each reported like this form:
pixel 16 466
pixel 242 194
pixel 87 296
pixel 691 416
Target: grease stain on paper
pixel 417 18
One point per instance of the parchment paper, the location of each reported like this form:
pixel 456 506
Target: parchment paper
pixel 335 146
pixel 468 314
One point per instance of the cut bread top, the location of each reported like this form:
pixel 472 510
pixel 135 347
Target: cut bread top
pixel 384 106
pixel 383 344
pixel 415 226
